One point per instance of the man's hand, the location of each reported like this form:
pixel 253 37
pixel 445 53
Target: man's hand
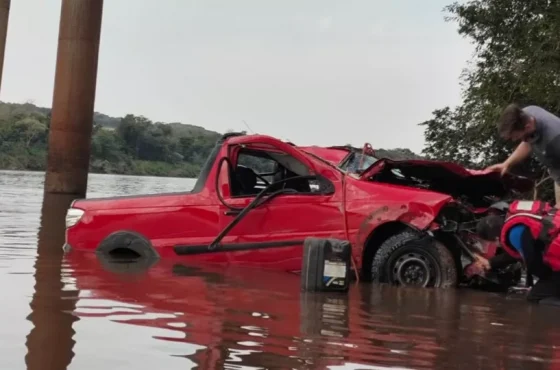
pixel 479 267
pixel 502 168
pixel 519 154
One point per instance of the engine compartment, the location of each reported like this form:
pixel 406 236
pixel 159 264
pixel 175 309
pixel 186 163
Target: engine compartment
pixel 457 230
pixel 475 191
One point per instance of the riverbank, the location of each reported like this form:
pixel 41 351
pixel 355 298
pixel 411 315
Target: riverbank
pixel 37 162
pixel 130 145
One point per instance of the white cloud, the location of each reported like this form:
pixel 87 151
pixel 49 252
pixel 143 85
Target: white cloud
pixel 378 29
pixel 325 23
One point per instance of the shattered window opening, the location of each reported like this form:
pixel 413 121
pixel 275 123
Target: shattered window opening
pixel 254 167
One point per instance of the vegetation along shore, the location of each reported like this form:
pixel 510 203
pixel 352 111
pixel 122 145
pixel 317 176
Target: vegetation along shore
pixel 130 145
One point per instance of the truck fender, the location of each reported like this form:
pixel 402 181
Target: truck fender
pixel 418 216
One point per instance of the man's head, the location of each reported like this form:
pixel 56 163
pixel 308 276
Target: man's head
pixel 490 227
pixel 515 125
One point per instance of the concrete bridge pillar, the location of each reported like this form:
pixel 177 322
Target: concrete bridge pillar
pixel 4 16
pixel 74 97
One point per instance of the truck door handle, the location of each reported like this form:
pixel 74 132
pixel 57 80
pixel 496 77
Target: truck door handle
pixel 232 212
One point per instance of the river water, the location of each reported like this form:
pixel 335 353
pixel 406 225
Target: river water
pixel 71 312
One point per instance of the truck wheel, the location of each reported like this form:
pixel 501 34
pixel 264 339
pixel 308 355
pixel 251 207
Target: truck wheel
pixel 124 266
pixel 126 251
pixel 404 259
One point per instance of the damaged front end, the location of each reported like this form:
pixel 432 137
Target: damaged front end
pixel 477 190
pixel 455 226
pixel 475 194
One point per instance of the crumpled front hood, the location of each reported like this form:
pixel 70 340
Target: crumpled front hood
pixel 448 171
pixel 475 189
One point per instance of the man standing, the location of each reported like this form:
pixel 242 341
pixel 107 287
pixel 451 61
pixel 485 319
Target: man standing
pixel 539 132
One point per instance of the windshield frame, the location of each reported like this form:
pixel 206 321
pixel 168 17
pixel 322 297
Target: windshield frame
pixel 342 166
pixel 324 161
pixel 357 155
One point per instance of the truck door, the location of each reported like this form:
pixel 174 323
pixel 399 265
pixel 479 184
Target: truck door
pixel 272 234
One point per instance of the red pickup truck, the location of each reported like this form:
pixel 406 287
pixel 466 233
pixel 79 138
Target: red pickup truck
pixel 257 198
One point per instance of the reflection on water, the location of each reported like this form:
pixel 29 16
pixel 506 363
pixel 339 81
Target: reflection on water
pixel 77 312
pixel 50 342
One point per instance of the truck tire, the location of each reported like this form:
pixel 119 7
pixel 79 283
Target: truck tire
pixel 126 251
pixel 407 260
pixel 126 267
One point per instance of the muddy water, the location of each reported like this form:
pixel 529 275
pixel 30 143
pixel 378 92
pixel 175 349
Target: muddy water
pixel 74 312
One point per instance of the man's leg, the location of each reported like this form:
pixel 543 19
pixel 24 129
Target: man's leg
pixel 545 291
pixel 557 194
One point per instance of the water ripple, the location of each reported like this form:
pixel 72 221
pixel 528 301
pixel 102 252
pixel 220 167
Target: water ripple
pixel 179 316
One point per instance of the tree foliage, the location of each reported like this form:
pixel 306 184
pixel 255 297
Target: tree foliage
pixel 396 154
pixel 516 59
pixel 133 145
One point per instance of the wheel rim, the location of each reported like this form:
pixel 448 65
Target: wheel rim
pixel 414 268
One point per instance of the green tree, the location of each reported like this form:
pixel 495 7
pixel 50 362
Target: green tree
pixel 31 130
pixel 107 146
pixel 131 129
pixel 128 145
pixel 516 59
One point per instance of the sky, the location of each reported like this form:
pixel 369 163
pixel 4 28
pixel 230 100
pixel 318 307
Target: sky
pixel 322 72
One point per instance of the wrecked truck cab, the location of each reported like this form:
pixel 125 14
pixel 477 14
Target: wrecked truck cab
pixel 256 200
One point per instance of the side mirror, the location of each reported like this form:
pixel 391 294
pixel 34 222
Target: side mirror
pixel 320 184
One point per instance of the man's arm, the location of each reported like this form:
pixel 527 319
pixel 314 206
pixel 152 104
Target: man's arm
pixel 501 260
pixel 481 265
pixel 519 154
pixel 516 236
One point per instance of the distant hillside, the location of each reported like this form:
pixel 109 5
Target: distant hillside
pixel 8 110
pixel 122 145
pixel 397 154
pixel 12 109
pixel 183 129
pixel 125 145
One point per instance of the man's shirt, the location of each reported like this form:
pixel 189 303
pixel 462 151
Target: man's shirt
pixel 546 140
